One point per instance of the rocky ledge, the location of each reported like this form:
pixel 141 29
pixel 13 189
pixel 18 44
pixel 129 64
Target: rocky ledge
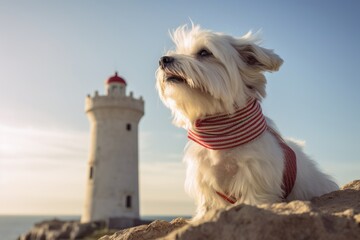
pixel 334 215
pixel 57 229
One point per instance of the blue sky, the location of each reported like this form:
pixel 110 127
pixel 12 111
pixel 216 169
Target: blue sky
pixel 54 53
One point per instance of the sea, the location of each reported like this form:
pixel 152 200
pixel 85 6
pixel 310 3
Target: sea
pixel 11 227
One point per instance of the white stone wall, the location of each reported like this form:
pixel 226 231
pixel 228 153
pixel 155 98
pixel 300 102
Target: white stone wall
pixel 113 157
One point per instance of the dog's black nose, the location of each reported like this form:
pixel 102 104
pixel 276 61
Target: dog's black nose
pixel 165 61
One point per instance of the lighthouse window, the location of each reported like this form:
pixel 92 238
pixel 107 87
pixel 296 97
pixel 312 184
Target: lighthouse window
pixel 128 201
pixel 91 173
pixel 128 127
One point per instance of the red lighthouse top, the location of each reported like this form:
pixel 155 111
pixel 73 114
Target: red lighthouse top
pixel 116 79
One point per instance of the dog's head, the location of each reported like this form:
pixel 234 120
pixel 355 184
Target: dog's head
pixel 211 73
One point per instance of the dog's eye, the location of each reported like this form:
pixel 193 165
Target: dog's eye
pixel 204 53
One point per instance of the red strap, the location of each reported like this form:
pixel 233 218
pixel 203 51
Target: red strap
pixel 289 174
pixel 230 199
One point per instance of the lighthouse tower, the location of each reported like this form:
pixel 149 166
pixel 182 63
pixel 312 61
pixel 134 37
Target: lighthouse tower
pixel 112 189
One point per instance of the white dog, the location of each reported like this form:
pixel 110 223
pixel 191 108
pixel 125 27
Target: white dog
pixel 214 83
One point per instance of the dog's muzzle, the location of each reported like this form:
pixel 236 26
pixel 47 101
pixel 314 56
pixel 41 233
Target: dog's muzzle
pixel 166 64
pixel 165 61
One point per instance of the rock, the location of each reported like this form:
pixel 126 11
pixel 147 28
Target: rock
pixel 154 230
pixel 334 215
pixel 354 185
pixel 57 229
pixel 46 230
pixel 80 231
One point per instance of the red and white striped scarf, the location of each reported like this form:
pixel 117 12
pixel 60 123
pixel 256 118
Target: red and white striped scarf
pixel 244 125
pixel 230 130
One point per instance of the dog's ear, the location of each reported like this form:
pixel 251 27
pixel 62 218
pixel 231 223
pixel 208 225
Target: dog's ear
pixel 259 58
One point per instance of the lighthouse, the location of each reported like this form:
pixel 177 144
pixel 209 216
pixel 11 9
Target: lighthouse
pixel 112 188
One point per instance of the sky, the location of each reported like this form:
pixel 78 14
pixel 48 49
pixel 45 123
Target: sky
pixel 54 53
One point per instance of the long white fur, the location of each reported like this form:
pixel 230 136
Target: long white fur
pixel 218 84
